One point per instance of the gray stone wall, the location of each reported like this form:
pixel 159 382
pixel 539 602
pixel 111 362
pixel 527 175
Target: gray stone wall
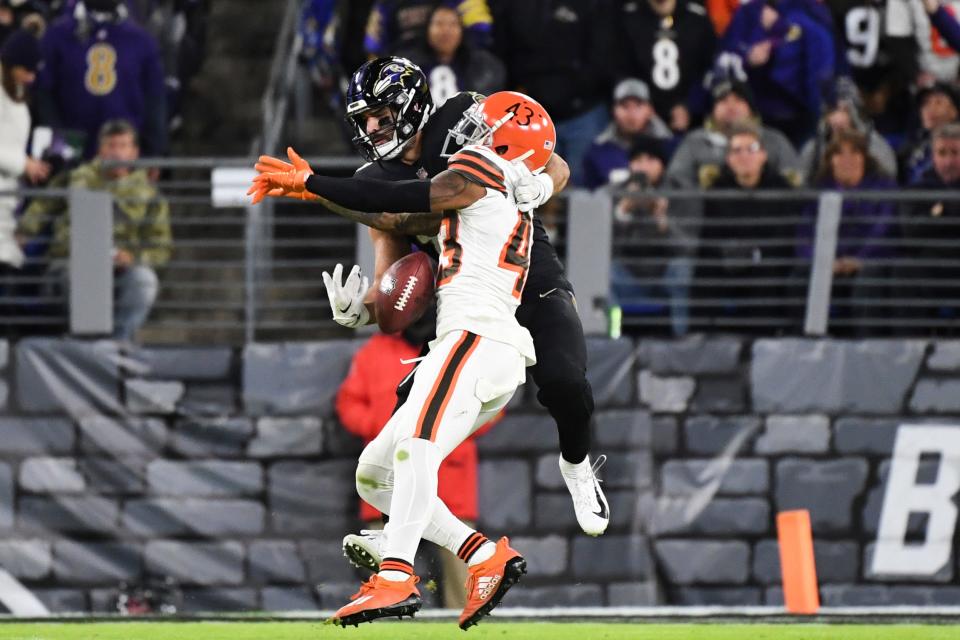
pixel 226 471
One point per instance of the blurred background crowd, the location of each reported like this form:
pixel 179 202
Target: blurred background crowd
pixel 849 95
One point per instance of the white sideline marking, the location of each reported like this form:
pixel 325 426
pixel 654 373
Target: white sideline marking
pixel 610 613
pixel 663 612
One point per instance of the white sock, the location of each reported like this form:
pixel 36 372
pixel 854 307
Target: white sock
pixel 375 485
pixel 571 470
pixel 485 552
pixel 395 576
pixel 416 462
pixel 446 529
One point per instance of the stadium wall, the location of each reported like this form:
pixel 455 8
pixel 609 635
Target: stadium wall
pixel 225 470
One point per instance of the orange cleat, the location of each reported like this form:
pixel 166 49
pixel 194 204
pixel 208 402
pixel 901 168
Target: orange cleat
pixel 380 598
pixel 489 582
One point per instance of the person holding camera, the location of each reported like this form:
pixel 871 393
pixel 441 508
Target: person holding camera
pixel 654 260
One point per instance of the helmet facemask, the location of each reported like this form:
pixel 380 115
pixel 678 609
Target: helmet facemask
pixel 473 129
pixel 397 87
pixel 381 144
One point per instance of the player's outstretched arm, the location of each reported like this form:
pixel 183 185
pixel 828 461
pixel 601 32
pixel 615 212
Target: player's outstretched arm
pixel 448 190
pixel 391 223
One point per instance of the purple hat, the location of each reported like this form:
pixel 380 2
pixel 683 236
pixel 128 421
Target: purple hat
pixel 21 49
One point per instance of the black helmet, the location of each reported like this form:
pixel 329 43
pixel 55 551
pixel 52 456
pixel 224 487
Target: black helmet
pixel 388 82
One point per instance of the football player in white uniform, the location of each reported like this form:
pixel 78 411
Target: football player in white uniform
pixel 478 359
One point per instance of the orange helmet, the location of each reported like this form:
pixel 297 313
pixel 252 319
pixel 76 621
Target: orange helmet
pixel 514 125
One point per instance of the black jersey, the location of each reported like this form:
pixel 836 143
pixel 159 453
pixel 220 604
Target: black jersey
pixel 546 270
pixel 671 54
pixel 874 42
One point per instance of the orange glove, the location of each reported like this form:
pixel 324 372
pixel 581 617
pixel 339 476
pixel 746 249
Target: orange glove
pixel 268 164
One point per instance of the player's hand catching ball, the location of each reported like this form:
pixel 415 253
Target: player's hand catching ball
pixel 531 191
pixel 346 298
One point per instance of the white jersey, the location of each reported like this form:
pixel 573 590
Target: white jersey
pixel 909 17
pixel 485 255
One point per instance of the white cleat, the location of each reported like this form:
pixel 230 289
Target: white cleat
pixel 365 550
pixel 589 503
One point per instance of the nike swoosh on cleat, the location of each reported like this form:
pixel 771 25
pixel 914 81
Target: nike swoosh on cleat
pixel 544 295
pixel 603 512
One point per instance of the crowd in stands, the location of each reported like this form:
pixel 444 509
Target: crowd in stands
pixel 706 94
pixel 846 94
pixel 86 82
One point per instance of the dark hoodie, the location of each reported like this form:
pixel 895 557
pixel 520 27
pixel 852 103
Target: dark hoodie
pixel 917 218
pixel 748 241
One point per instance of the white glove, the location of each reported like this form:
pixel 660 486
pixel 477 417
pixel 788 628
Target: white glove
pixel 531 191
pixel 346 300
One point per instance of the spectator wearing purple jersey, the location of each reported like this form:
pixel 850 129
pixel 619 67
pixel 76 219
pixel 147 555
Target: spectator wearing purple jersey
pixel 452 64
pixel 865 224
pixel 788 54
pixel 19 58
pixel 633 115
pixel 101 66
pixel 318 54
pixel 944 21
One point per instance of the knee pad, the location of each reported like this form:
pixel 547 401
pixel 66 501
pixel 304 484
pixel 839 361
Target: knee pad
pixel 374 484
pixel 570 399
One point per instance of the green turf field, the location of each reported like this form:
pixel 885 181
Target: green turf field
pixel 488 631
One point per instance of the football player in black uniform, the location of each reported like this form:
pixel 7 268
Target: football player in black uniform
pixel 402 137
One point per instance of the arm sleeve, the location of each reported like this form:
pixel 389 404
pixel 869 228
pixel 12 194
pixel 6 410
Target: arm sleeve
pixel 365 194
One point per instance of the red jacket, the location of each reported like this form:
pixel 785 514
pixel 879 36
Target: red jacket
pixel 365 403
pixel 721 13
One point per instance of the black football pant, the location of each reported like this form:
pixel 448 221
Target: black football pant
pixel 561 369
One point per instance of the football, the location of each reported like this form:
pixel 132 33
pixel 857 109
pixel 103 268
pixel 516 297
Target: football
pixel 405 292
